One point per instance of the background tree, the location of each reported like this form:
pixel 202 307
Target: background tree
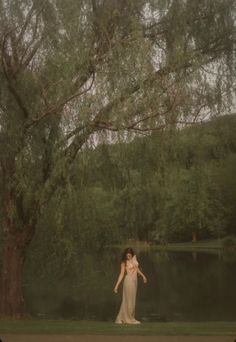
pixel 70 71
pixel 162 189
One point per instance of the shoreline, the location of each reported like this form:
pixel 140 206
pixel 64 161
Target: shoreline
pixel 201 245
pixel 95 328
pixel 102 338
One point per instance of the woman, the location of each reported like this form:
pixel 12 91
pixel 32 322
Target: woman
pixel 129 269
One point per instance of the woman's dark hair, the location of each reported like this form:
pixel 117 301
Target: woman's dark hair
pixel 125 252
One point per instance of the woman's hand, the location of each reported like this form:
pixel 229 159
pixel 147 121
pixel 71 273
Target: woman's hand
pixel 144 279
pixel 121 276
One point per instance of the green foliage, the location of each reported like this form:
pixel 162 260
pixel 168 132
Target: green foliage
pixel 77 73
pixel 150 189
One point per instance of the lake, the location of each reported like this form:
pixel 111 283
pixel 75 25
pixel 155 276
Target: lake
pixel 182 286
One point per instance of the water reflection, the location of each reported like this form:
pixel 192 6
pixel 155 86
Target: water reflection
pixel 182 286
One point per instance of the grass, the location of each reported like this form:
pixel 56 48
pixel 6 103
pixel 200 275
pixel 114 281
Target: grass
pixel 64 327
pixel 205 245
pixel 202 245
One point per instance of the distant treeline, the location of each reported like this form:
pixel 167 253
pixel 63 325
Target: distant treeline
pixel 169 186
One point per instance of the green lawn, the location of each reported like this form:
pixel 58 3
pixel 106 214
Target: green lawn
pixel 61 327
pixel 205 245
pixel 202 245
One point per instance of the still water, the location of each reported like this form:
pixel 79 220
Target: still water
pixel 182 286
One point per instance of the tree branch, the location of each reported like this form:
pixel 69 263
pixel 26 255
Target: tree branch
pixel 26 23
pixel 61 104
pixel 11 86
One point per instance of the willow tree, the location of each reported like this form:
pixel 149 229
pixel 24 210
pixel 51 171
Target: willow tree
pixel 72 70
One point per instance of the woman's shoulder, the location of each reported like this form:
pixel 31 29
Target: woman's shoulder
pixel 135 260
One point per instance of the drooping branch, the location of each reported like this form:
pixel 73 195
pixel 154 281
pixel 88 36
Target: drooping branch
pixel 25 62
pixel 59 170
pixel 57 108
pixel 26 23
pixel 133 125
pixel 5 66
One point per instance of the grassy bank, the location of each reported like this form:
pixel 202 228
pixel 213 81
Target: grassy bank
pixel 203 245
pixel 63 327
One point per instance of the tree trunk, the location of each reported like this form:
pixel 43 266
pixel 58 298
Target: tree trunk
pixel 194 237
pixel 12 302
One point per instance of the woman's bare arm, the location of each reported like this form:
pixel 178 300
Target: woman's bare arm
pixel 121 276
pixel 142 275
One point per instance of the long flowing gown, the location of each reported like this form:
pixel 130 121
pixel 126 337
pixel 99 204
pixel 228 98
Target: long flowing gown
pixel 127 309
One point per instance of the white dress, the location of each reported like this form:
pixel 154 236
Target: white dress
pixel 127 309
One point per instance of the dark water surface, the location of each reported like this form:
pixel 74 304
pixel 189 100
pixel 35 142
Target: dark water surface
pixel 182 286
